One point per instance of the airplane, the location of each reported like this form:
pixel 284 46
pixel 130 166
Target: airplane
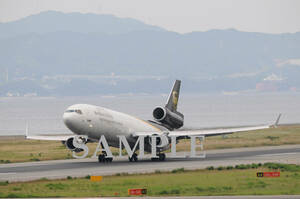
pixel 94 122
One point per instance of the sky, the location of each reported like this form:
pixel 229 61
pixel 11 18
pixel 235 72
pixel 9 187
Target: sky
pixel 268 16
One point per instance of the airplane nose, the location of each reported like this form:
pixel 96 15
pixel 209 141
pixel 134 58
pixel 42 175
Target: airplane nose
pixel 67 118
pixel 72 119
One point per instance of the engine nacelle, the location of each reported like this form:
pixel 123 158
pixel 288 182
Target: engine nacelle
pixel 69 144
pixel 165 116
pixel 162 143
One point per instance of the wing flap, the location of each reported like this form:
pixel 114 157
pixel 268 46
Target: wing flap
pixel 214 132
pixel 204 132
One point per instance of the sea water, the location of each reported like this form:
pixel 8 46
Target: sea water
pixel 44 114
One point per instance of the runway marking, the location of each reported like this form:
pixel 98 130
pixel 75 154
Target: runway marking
pixel 275 154
pixel 7 173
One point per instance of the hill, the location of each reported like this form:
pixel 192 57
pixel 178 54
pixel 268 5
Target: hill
pixel 56 53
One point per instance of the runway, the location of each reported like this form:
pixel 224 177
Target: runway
pixel 80 168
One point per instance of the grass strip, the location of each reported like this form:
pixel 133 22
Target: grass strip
pixel 238 180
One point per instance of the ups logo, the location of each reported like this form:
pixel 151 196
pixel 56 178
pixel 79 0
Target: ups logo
pixel 175 99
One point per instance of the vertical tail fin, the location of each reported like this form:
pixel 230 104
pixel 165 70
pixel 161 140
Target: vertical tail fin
pixel 173 96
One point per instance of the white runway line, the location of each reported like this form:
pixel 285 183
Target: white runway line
pixel 7 173
pixel 278 154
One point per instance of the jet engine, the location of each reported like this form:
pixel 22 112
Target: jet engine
pixel 162 143
pixel 165 116
pixel 69 143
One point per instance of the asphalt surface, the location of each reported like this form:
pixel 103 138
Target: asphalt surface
pixel 82 167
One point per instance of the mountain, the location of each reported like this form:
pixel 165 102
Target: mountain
pixel 60 54
pixel 52 21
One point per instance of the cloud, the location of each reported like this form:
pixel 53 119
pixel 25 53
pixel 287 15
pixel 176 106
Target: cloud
pixel 283 63
pixel 239 75
pixel 273 77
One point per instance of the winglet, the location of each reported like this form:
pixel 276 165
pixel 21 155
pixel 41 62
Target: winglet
pixel 26 131
pixel 277 121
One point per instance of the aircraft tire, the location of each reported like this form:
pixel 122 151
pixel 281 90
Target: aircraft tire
pixel 104 159
pixel 162 157
pixel 101 158
pixel 133 158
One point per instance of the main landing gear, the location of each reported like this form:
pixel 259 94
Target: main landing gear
pixel 103 158
pixel 161 157
pixel 133 158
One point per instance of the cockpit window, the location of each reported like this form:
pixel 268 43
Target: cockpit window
pixel 76 111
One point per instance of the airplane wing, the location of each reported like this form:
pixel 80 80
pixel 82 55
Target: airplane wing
pixel 215 132
pixel 60 137
pixel 210 132
pixel 49 137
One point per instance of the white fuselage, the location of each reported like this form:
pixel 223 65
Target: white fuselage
pixel 95 121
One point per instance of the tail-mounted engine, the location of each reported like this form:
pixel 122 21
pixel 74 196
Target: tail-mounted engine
pixel 165 116
pixel 168 115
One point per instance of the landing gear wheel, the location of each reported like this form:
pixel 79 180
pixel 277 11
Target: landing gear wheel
pixel 133 158
pixel 103 158
pixel 154 159
pixel 162 157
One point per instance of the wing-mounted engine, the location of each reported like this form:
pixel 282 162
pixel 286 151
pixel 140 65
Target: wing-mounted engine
pixel 71 142
pixel 163 115
pixel 168 115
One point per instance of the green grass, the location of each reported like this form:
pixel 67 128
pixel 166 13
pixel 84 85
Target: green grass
pixel 227 181
pixel 283 167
